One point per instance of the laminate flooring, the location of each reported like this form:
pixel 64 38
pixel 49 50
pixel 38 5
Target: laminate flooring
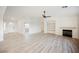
pixel 38 43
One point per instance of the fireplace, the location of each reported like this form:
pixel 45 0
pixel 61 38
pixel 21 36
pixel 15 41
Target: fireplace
pixel 67 33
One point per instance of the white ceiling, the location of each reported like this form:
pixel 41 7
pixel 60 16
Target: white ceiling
pixel 36 11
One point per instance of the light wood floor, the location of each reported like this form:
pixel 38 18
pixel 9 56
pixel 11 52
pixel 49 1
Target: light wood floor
pixel 38 43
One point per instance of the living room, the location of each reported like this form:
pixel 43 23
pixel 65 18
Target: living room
pixel 35 22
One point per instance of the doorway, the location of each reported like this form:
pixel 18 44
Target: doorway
pixel 26 26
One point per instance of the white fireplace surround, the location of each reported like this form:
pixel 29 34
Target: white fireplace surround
pixel 74 31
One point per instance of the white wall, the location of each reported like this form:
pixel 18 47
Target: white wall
pixel 67 22
pixel 22 15
pixel 34 25
pixel 2 10
pixel 1 29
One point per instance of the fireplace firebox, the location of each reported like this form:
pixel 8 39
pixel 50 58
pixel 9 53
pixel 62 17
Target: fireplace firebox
pixel 67 33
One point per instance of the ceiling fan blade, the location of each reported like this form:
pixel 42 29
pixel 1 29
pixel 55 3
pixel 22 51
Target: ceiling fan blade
pixel 64 6
pixel 48 16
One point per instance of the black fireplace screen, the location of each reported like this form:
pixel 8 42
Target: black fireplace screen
pixel 67 33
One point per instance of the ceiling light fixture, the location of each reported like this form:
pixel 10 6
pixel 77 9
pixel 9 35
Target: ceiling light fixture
pixel 44 14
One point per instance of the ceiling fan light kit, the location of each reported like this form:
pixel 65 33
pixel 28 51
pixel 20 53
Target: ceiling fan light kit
pixel 44 16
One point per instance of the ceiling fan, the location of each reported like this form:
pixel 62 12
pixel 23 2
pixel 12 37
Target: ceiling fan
pixel 44 14
pixel 64 6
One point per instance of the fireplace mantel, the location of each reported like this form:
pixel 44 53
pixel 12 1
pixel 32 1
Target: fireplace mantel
pixel 67 27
